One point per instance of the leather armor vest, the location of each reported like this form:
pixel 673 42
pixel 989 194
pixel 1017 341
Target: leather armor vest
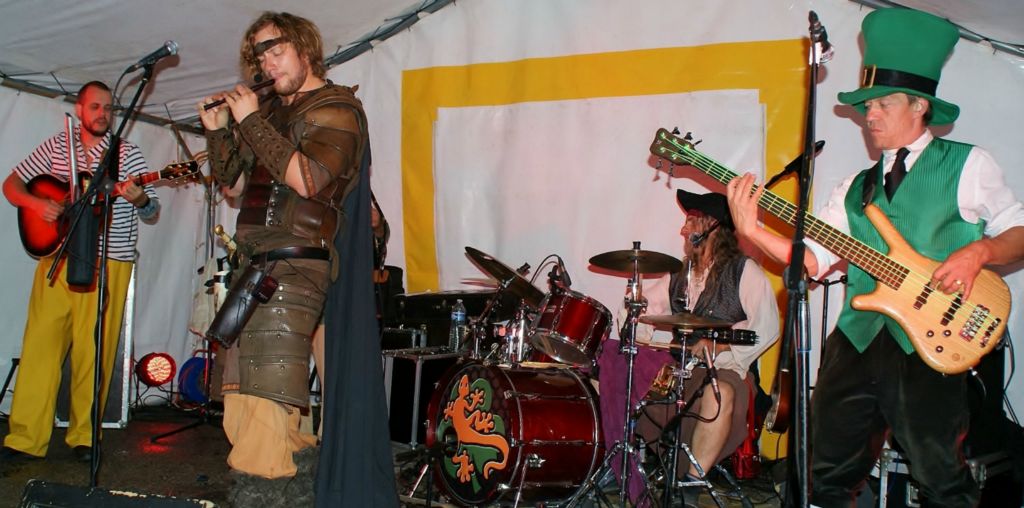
pixel 274 215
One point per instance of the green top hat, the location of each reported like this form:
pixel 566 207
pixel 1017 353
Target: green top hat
pixel 904 51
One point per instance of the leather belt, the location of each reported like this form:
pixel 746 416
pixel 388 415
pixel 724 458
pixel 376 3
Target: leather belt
pixel 291 253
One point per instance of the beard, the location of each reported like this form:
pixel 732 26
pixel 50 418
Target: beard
pixel 289 85
pixel 97 128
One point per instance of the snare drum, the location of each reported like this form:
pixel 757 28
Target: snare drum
pixel 570 327
pixel 508 430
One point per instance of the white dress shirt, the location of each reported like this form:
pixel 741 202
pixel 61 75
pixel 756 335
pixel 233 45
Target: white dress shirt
pixel 982 195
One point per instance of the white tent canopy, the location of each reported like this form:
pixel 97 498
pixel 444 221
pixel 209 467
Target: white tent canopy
pixel 61 44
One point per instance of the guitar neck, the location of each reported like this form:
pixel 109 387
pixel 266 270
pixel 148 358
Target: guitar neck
pixel 145 178
pixel 172 171
pixel 857 252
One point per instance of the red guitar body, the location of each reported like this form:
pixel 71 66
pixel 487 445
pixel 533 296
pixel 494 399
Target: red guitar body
pixel 40 237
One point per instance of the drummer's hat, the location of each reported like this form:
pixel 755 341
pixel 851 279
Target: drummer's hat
pixel 712 204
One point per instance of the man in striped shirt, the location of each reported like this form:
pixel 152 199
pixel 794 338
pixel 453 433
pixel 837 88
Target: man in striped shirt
pixel 62 317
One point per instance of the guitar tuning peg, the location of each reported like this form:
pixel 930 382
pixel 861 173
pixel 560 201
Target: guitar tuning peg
pixel 675 131
pixel 688 136
pixel 695 143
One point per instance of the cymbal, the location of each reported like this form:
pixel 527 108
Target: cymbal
pixel 514 282
pixel 684 320
pixel 647 261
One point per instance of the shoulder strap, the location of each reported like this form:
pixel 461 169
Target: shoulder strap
pixel 870 181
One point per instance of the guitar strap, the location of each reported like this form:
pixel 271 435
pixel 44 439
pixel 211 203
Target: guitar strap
pixel 870 181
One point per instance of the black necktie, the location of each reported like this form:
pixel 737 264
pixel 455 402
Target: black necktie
pixel 896 174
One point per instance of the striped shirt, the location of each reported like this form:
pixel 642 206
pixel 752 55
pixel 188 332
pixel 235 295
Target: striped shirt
pixel 50 158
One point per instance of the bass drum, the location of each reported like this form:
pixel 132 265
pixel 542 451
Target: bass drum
pixel 505 430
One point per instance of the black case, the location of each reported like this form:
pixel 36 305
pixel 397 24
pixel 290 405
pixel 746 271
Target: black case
pixel 433 310
pixel 410 378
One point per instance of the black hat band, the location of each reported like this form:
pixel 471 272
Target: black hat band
pixel 873 76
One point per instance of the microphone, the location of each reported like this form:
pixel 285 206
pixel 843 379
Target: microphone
pixel 565 274
pixel 169 48
pixel 819 35
pixel 554 280
pixel 713 374
pixel 698 238
pixel 795 164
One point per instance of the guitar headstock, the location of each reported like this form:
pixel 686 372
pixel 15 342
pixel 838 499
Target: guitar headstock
pixel 181 171
pixel 677 150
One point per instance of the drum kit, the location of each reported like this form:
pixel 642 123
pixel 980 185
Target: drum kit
pixel 521 423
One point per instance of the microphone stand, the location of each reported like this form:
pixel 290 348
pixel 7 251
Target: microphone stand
pixel 797 327
pixel 204 412
pixel 825 283
pixel 102 187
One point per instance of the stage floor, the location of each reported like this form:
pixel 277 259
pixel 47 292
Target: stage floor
pixel 192 464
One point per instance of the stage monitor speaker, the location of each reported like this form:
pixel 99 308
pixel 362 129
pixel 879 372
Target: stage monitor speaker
pixel 40 494
pixel 115 413
pixel 410 376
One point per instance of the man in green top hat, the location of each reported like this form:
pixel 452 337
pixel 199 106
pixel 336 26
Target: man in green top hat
pixel 950 202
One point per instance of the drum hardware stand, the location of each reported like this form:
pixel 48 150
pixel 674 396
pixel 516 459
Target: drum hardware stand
pixel 522 480
pixel 676 426
pixel 517 348
pixel 635 304
pixel 429 454
pixel 476 327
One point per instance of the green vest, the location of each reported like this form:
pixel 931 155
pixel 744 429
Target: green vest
pixel 925 211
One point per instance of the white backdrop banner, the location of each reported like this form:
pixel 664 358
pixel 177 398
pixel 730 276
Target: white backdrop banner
pixel 488 33
pixel 527 180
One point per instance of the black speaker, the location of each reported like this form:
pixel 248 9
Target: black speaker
pixel 40 494
pixel 115 413
pixel 994 445
pixel 405 370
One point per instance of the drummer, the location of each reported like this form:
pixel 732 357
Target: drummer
pixel 718 283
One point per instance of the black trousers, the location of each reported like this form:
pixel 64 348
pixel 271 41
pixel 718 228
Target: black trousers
pixel 860 397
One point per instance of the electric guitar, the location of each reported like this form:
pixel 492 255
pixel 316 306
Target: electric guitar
pixel 949 333
pixel 42 238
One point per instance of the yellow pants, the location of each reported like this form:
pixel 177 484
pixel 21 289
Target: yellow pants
pixel 60 318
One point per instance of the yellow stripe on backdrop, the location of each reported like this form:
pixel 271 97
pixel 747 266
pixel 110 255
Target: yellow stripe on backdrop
pixel 777 69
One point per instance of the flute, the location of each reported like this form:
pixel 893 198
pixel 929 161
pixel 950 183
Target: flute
pixel 258 86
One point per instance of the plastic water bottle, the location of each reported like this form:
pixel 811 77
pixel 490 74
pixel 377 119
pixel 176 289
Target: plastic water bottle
pixel 458 328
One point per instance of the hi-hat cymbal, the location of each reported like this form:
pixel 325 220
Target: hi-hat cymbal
pixel 647 261
pixel 514 283
pixel 684 320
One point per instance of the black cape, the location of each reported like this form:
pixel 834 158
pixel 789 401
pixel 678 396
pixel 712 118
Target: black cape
pixel 356 466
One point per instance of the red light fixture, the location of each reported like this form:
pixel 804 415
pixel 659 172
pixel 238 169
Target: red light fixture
pixel 155 369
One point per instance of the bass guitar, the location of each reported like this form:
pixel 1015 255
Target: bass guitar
pixel 950 333
pixel 41 238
